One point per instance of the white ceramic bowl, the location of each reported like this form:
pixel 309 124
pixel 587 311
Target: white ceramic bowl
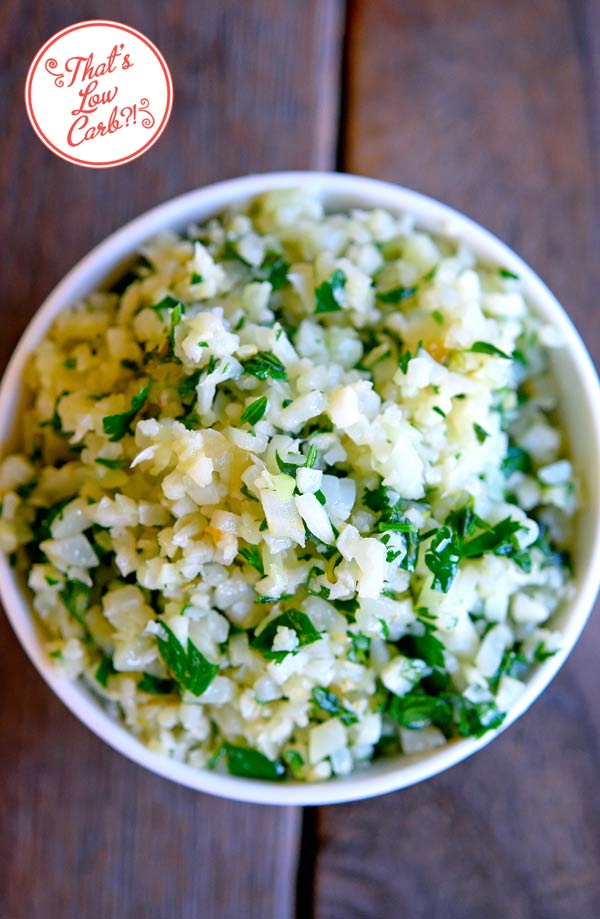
pixel 580 410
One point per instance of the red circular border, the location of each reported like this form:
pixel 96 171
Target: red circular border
pixel 84 25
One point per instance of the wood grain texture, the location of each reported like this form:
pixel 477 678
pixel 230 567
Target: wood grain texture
pixel 85 833
pixel 494 109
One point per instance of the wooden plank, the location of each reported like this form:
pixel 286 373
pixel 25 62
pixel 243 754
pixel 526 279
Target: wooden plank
pixel 86 833
pixel 486 106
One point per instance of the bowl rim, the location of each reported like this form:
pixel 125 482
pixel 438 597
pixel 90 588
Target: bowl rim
pixel 383 776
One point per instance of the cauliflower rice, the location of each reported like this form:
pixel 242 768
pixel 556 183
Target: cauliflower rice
pixel 292 495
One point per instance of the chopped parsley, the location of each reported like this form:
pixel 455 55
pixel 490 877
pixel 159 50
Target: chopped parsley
pixel 480 433
pixel 116 426
pixel 176 317
pixel 274 269
pixel 156 685
pixel 255 411
pixel 311 457
pixel 397 294
pixel 485 347
pixel 443 558
pixel 329 296
pixel 406 356
pixel 294 760
pixel 541 653
pixel 263 365
pixel 168 303
pixel 451 713
pixel 247 493
pixel 516 460
pixel 328 702
pixel 449 546
pixel 105 669
pixel 361 645
pixel 110 463
pixel 188 666
pixel 76 597
pixel 292 619
pixel 188 385
pixel 253 558
pixel 251 764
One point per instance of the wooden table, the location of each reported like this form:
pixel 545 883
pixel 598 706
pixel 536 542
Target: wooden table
pixel 492 107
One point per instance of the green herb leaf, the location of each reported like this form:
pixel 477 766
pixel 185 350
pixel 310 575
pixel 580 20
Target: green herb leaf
pixel 229 252
pixel 480 433
pixel 541 654
pixel 247 493
pixel 484 347
pixel 516 460
pixel 427 648
pixel 294 760
pixel 291 619
pixel 505 273
pixel 498 539
pixel 263 365
pixel 330 703
pixel 253 557
pixel 287 468
pixel 438 316
pixel 376 499
pixel 274 269
pixel 464 520
pixel 316 572
pixel 156 685
pixel 187 386
pixel 397 294
pixel 76 597
pixel 167 303
pixel 443 558
pixel 110 463
pixel 105 669
pixel 251 764
pixel 402 525
pixel 407 356
pixel 511 661
pixel 176 317
pixel 255 411
pixel 54 421
pixel 415 711
pixel 196 278
pixel 25 490
pixel 329 294
pixel 477 718
pixel 311 457
pixel 116 426
pixel 347 607
pixel 41 528
pixel 361 645
pixel 189 667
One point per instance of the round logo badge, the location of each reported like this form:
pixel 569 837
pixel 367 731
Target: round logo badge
pixel 99 94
